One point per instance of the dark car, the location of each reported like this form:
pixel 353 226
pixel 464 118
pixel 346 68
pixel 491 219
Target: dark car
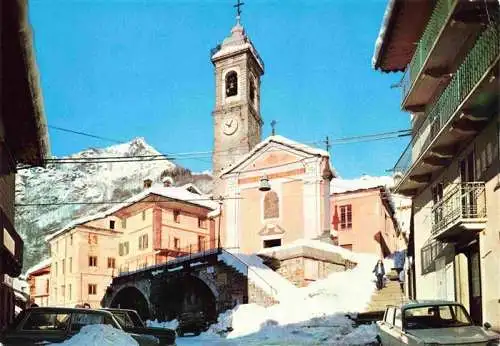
pixel 54 325
pixel 131 322
pixel 192 322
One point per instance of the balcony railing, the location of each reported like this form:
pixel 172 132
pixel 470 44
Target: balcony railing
pixel 479 61
pixel 437 21
pixel 464 202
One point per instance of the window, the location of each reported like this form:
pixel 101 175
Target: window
pixel 47 286
pixel 63 291
pixel 69 291
pixel 38 320
pixel 143 215
pixel 112 224
pixel 231 83
pixel 437 197
pixel 123 249
pixel 143 242
pixel 271 205
pixel 177 243
pixel 55 293
pixel 80 320
pixel 71 264
pixel 71 239
pixel 272 243
pixel 389 316
pixel 92 289
pixel 252 91
pixel 111 262
pixel 177 216
pixel 397 319
pixel 63 265
pixel 124 223
pixel 201 243
pixel 436 316
pixel 202 222
pixel 346 216
pixel 92 261
pixel 56 269
pixel 92 239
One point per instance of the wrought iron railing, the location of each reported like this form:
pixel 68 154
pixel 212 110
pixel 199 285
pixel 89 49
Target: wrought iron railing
pixel 439 17
pixel 465 201
pixel 479 60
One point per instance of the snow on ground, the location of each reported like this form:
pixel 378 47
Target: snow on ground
pixel 313 315
pixel 100 335
pixel 167 324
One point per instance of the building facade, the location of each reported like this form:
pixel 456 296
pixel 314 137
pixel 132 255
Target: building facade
pixel 365 221
pixel 236 116
pixel 451 167
pixel 23 137
pixel 38 278
pixel 150 228
pixel 296 205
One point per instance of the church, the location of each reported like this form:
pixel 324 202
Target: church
pixel 274 191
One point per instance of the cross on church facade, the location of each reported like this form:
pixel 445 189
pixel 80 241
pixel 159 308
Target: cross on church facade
pixel 238 7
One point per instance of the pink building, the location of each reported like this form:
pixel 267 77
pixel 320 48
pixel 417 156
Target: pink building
pixel 364 215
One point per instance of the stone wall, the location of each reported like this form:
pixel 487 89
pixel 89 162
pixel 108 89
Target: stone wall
pixel 302 270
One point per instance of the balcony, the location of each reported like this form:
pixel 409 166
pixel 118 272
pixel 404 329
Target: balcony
pixel 451 29
pixel 459 113
pixel 463 208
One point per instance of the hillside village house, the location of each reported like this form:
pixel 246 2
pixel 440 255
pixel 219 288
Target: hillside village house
pixel 368 218
pixel 38 278
pixel 23 137
pixel 451 167
pixel 158 224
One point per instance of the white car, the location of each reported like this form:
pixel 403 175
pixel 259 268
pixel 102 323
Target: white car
pixel 432 323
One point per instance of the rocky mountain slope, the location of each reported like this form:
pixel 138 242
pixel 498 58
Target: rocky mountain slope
pixel 50 197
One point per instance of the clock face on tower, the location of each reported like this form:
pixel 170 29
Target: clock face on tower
pixel 230 126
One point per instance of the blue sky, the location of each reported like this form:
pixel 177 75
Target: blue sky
pixel 125 69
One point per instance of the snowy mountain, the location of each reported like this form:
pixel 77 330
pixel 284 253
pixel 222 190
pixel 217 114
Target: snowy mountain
pixel 64 191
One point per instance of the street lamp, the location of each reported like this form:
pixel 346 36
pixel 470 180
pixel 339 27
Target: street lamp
pixel 264 184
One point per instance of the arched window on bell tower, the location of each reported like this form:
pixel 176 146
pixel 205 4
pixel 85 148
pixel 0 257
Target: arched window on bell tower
pixel 231 83
pixel 271 205
pixel 252 91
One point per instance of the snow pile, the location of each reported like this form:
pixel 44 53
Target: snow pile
pixel 167 324
pixel 100 335
pixel 314 314
pixel 261 275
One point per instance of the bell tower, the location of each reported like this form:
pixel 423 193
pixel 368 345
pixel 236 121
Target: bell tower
pixel 236 116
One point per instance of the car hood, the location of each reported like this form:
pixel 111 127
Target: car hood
pixel 458 335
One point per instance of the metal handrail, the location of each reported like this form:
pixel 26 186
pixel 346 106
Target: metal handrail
pixel 273 290
pixel 464 200
pixel 479 60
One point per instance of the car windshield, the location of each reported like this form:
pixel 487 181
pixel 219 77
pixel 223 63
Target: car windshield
pixel 436 316
pixel 124 319
pixel 136 319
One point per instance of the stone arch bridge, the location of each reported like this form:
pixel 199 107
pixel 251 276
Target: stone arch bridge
pixel 198 282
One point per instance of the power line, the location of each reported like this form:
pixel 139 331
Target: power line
pixel 86 134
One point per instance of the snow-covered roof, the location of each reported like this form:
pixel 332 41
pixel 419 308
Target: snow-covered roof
pixel 339 185
pixel 38 266
pixel 312 243
pixel 383 30
pixel 237 41
pixel 283 141
pixel 176 193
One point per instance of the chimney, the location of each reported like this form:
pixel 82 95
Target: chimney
pixel 168 182
pixel 147 183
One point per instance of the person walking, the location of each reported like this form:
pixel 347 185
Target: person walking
pixel 402 280
pixel 379 273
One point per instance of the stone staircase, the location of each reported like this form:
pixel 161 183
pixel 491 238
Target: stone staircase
pixel 389 295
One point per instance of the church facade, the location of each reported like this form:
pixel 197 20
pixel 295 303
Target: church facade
pixel 297 204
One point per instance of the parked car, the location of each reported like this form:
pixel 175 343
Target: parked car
pixel 42 325
pixel 192 322
pixel 131 322
pixel 432 323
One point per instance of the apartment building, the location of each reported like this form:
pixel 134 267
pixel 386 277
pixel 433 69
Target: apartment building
pixel 365 216
pixel 156 225
pixel 449 51
pixel 38 278
pixel 23 137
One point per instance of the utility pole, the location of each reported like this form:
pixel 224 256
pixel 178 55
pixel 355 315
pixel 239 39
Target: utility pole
pixel 327 143
pixel 221 202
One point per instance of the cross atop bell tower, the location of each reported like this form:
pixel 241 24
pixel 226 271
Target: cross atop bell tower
pixel 237 119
